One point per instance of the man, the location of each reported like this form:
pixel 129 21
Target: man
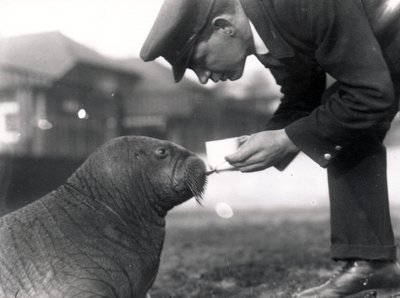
pixel 341 128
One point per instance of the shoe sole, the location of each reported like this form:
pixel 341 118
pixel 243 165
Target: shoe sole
pixel 378 293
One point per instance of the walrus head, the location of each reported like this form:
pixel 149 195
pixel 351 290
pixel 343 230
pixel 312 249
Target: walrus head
pixel 175 173
pixel 144 169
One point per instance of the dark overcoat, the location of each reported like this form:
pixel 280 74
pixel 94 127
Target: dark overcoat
pixel 357 42
pixel 342 128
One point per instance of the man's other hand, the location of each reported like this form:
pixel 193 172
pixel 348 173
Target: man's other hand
pixel 263 150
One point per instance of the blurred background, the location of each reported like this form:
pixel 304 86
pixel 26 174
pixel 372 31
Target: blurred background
pixel 71 79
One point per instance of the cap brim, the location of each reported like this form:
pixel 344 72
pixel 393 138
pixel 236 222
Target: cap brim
pixel 179 67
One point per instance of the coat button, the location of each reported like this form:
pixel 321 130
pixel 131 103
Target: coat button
pixel 338 148
pixel 327 156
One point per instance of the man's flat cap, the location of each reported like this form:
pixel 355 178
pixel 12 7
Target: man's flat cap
pixel 175 31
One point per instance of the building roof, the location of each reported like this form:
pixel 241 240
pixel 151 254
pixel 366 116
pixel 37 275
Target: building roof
pixel 51 54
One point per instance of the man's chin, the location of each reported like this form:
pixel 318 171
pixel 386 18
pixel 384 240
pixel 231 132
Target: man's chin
pixel 235 76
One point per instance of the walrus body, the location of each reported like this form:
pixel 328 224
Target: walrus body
pixel 101 233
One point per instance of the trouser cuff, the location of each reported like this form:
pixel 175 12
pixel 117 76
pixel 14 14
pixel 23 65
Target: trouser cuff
pixel 363 252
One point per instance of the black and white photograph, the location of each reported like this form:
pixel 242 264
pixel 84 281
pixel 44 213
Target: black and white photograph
pixel 199 148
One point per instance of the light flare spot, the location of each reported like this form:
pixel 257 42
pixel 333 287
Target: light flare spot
pixel 44 124
pixel 82 114
pixel 224 210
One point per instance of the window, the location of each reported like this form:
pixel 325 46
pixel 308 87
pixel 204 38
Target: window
pixel 9 122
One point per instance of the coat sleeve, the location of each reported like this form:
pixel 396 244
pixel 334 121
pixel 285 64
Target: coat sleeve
pixel 302 94
pixel 363 97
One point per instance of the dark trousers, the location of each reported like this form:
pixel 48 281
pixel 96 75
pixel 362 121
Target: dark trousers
pixel 360 218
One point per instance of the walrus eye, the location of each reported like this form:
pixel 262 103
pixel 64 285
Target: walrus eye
pixel 161 152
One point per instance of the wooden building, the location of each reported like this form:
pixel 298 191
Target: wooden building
pixel 57 97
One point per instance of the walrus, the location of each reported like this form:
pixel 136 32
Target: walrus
pixel 101 233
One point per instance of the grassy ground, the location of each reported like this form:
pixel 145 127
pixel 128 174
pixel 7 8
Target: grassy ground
pixel 274 253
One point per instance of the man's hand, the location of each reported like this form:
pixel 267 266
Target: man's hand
pixel 262 150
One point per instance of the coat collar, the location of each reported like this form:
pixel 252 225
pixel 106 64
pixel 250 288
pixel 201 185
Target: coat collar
pixel 259 44
pixel 261 14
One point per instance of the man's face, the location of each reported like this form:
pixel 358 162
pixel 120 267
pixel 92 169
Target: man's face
pixel 220 57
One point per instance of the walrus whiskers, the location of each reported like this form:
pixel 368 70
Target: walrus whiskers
pixel 195 184
pixel 198 195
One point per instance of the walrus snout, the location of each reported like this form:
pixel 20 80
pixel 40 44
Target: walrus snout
pixel 189 178
pixel 195 177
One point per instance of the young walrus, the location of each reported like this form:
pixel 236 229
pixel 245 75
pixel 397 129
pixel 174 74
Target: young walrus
pixel 101 233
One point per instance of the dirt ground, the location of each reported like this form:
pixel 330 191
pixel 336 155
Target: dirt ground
pixel 254 254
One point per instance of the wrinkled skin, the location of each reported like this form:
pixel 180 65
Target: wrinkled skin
pixel 101 233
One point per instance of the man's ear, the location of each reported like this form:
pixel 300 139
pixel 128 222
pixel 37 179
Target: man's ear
pixel 223 23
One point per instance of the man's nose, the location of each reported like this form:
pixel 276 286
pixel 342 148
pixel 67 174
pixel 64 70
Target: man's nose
pixel 203 76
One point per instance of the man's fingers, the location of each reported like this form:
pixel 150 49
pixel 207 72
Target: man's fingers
pixel 239 156
pixel 243 152
pixel 253 161
pixel 243 139
pixel 254 167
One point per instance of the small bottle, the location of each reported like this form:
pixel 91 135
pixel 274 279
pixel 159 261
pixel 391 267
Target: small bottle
pixel 222 167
